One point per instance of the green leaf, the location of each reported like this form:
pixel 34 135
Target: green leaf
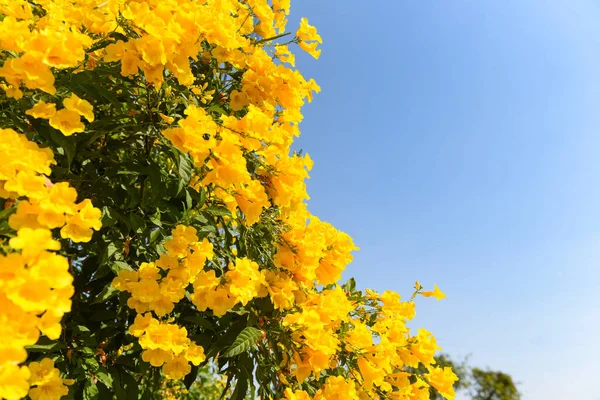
pixel 202 196
pixel 103 315
pixel 186 169
pixel 138 224
pixel 90 391
pixel 245 340
pixel 188 200
pixel 200 218
pixel 350 285
pixel 201 322
pixel 108 292
pixel 7 212
pixel 191 377
pixel 104 377
pixel 111 250
pixel 81 330
pixel 155 218
pixel 68 144
pixel 154 235
pixel 45 345
pixel 117 385
pixel 217 108
pixel 218 211
pixel 108 217
pixel 241 388
pixel 131 386
pixel 118 266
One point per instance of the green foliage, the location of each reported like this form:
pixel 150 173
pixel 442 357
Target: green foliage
pixel 493 385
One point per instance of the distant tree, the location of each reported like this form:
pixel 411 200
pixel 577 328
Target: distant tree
pixel 492 385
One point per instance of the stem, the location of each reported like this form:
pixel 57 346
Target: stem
pixel 272 38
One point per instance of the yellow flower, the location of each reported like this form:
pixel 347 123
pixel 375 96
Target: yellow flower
pixel 124 279
pixel 437 293
pixel 141 322
pixel 43 371
pixel 67 121
pixel 166 118
pixel 49 324
pixel 63 197
pixel 337 388
pixel 220 301
pixel 195 354
pixel 285 55
pixel 238 100
pixel 32 242
pixel 79 226
pixel 80 106
pixel 443 380
pixel 425 347
pixel 42 110
pixel 146 290
pixel 311 48
pixel 360 337
pixel 307 33
pixel 371 373
pixel 296 395
pixel 14 381
pixel 54 389
pixel 157 357
pixel 177 368
pixel 27 183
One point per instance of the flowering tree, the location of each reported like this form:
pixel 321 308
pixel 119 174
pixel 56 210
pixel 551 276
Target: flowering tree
pixel 154 220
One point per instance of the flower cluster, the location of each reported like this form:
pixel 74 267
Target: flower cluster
pixel 241 283
pixel 166 345
pixel 42 376
pixel 47 381
pixel 329 325
pixel 35 283
pixel 68 119
pixel 315 327
pixel 158 286
pixel 47 205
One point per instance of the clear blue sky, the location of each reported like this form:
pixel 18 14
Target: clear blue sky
pixel 458 143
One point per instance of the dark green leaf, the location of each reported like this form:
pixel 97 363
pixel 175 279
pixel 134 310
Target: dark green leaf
pixel 138 224
pixel 185 172
pixel 191 377
pixel 7 212
pixel 202 196
pixel 241 388
pixel 197 320
pixel 106 293
pixel 68 144
pixel 45 345
pixel 90 391
pixel 108 219
pixel 118 266
pixel 218 211
pixel 188 200
pixel 104 377
pixel 245 340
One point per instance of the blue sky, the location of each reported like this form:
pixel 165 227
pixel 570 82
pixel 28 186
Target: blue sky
pixel 458 143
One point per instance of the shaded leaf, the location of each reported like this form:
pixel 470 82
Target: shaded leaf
pixel 245 340
pixel 90 390
pixel 218 211
pixel 45 345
